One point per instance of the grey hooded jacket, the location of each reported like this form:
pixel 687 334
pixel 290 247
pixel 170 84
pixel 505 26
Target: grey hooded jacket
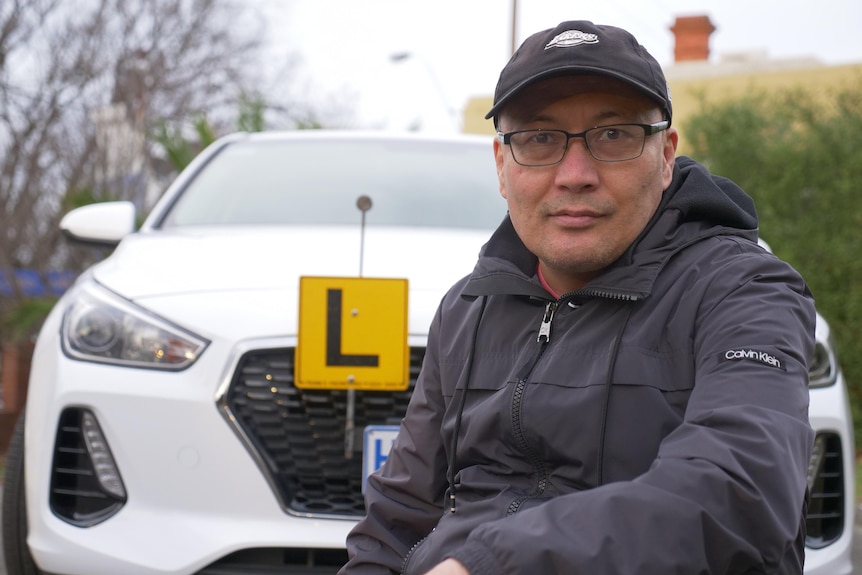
pixel 653 422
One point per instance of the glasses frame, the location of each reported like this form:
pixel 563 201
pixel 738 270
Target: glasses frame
pixel 649 130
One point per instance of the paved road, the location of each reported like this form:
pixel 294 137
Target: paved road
pixel 2 559
pixel 857 543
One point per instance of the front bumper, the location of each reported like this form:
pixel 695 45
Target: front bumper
pixel 195 492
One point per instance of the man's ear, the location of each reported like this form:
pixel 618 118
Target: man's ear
pixel 499 149
pixel 671 141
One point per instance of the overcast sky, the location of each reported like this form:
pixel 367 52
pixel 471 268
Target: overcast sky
pixel 454 49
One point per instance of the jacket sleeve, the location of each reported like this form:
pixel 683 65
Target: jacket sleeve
pixel 726 493
pixel 404 498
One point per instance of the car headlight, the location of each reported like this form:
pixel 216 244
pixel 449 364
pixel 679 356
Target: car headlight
pixel 102 327
pixel 823 368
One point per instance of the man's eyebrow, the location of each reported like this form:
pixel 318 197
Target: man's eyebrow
pixel 608 115
pixel 543 118
pixel 613 115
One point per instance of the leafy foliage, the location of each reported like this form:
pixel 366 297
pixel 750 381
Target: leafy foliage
pixel 21 321
pixel 180 150
pixel 799 154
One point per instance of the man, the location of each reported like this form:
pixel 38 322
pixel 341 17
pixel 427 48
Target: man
pixel 620 386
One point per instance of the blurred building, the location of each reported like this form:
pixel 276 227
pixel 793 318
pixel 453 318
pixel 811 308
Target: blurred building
pixel 693 76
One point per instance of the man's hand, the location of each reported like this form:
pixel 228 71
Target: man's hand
pixel 449 567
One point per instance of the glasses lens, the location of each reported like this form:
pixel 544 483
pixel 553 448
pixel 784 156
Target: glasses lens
pixel 616 143
pixel 538 147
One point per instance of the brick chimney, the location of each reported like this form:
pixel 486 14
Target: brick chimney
pixel 692 38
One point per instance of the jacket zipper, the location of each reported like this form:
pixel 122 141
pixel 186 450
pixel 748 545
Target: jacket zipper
pixel 604 294
pixel 410 554
pixel 545 327
pixel 543 339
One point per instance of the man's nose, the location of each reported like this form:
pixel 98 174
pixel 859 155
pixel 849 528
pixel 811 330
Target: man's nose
pixel 578 167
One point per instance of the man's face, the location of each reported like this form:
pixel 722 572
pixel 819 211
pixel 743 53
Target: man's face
pixel 580 215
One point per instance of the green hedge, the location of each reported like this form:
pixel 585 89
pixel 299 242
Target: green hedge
pixel 799 154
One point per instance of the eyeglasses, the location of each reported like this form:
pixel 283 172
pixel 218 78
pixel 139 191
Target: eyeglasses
pixel 615 143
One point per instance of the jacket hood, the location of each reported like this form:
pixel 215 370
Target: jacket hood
pixel 698 196
pixel 695 206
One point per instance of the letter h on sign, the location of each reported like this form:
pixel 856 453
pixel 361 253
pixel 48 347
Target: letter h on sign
pixel 378 442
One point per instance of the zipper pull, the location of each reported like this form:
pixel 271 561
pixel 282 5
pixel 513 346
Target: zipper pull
pixel 545 328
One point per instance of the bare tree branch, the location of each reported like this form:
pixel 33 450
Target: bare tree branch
pixel 82 86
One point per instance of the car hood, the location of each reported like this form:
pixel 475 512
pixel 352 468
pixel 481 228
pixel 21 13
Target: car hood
pixel 188 275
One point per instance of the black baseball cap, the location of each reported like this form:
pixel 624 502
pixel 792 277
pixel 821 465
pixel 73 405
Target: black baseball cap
pixel 581 47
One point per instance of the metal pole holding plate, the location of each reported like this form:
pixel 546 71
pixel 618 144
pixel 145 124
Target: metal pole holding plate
pixel 364 204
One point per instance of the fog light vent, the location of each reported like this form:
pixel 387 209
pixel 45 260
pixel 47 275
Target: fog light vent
pixel 825 519
pixel 86 487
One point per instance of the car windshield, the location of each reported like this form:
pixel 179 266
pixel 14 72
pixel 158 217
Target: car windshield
pixel 411 182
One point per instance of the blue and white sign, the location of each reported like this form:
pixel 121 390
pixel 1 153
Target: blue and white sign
pixel 376 445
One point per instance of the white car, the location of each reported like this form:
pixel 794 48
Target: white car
pixel 209 399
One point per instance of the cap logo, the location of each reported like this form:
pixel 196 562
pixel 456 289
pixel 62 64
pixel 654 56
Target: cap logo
pixel 572 38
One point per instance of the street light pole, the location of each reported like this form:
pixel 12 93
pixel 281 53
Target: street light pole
pixel 514 25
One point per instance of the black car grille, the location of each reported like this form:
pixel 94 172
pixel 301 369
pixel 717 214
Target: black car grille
pixel 299 434
pixel 825 519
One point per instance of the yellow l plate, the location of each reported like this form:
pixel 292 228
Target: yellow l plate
pixel 352 334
